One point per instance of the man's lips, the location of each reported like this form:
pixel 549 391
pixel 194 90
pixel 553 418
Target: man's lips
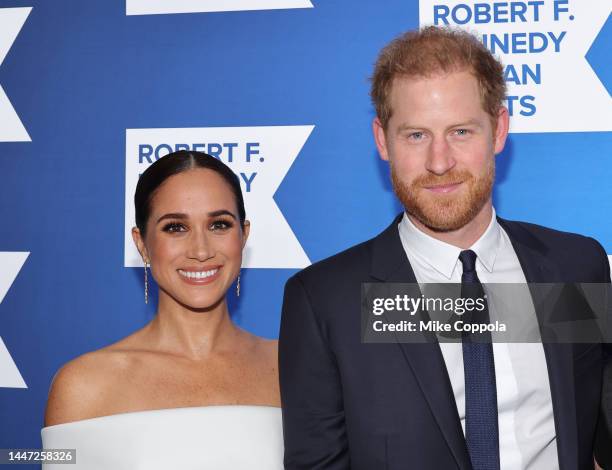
pixel 443 188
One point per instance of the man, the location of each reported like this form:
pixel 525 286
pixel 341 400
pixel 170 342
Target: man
pixel 440 122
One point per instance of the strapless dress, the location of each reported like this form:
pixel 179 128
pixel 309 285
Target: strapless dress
pixel 232 437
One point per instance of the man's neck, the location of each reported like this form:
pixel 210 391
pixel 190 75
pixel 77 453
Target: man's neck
pixel 464 237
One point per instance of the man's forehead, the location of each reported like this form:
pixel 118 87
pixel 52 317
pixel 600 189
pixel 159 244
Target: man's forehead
pixel 407 80
pixel 456 94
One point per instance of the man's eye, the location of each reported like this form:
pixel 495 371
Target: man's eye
pixel 221 225
pixel 462 132
pixel 416 136
pixel 174 227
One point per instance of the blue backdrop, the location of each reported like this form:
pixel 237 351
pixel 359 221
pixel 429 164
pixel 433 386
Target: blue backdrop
pixel 79 74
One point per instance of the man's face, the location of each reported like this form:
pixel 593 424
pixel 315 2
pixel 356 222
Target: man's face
pixel 441 144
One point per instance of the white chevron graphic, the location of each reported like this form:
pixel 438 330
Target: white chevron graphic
pixel 11 21
pixel 162 7
pixel 10 265
pixel 272 243
pixel 568 96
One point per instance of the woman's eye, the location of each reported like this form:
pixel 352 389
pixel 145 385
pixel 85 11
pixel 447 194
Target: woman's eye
pixel 174 227
pixel 221 225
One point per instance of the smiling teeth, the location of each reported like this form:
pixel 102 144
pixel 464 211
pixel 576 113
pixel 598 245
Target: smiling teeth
pixel 197 274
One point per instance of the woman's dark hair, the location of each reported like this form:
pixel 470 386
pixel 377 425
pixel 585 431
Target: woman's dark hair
pixel 173 164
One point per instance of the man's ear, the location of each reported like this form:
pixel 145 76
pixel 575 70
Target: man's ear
pixel 380 138
pixel 501 129
pixel 140 245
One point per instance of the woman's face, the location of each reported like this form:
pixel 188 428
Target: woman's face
pixel 194 239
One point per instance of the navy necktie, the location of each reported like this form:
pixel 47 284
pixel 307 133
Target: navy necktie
pixel 481 427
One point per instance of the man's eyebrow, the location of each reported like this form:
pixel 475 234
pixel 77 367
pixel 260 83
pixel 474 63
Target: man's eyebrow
pixel 405 126
pixel 470 122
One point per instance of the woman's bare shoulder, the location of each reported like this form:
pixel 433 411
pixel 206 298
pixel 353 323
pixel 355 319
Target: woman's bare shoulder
pixel 269 347
pixel 263 354
pixel 83 386
pixel 261 348
pixel 269 370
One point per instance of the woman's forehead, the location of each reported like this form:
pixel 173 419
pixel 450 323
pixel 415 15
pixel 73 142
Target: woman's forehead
pixel 196 190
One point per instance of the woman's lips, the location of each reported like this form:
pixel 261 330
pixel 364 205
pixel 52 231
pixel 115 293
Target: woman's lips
pixel 199 277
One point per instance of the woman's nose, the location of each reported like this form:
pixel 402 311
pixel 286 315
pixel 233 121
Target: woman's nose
pixel 199 246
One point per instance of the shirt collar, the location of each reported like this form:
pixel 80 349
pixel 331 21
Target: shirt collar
pixel 488 245
pixel 444 257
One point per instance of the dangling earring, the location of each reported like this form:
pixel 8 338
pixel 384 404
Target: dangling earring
pixel 146 282
pixel 238 286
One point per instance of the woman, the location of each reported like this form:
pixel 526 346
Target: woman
pixel 145 401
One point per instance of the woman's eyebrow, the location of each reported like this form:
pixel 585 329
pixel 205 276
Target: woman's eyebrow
pixel 172 215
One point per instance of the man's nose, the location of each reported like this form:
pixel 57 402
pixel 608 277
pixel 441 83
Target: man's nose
pixel 440 156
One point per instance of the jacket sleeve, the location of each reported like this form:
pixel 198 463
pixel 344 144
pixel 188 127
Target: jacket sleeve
pixel 603 438
pixel 311 391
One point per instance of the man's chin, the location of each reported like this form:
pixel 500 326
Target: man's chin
pixel 445 212
pixel 441 224
pixel 453 215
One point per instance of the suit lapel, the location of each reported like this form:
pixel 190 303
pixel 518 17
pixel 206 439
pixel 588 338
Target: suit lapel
pixel 538 268
pixel 390 264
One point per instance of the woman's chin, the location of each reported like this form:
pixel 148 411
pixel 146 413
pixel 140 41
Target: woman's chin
pixel 205 304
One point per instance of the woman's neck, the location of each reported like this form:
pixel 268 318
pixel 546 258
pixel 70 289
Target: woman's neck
pixel 193 334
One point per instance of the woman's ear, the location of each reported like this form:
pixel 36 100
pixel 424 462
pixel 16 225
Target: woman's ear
pixel 140 245
pixel 246 229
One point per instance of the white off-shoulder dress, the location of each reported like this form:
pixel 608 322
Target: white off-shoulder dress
pixel 232 437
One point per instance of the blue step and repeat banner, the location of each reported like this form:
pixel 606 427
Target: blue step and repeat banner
pixel 91 92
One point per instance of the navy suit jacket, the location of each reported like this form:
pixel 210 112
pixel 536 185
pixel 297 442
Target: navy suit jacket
pixel 347 404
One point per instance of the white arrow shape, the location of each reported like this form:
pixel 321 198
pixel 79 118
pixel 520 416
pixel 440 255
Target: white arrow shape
pixel 10 265
pixel 157 7
pixel 9 374
pixel 570 97
pixel 272 243
pixel 11 21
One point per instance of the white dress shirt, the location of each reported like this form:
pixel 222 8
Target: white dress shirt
pixel 527 438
